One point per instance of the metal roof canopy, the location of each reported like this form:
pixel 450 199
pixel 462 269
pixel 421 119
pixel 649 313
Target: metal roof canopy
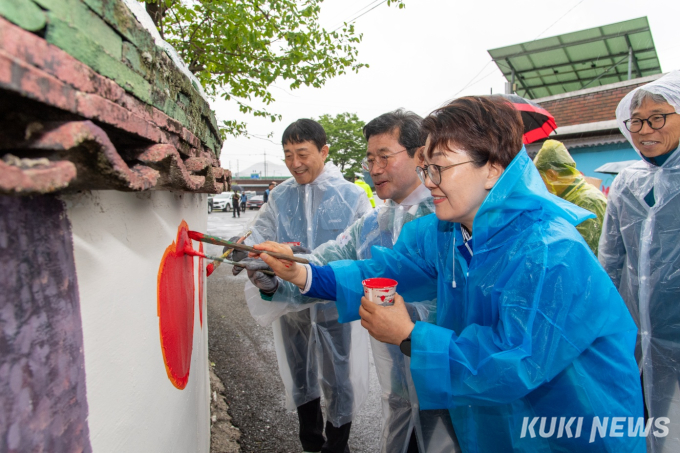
pixel 573 61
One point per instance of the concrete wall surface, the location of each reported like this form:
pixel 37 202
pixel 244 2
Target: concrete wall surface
pixel 119 240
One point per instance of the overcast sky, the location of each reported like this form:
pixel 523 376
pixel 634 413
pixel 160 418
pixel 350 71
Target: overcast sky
pixel 426 54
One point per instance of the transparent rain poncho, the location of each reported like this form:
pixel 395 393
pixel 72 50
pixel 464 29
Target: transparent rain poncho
pixel 381 227
pixel 559 173
pixel 315 352
pixel 533 327
pixel 640 250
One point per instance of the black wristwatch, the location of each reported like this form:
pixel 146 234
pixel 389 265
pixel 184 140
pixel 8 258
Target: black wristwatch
pixel 405 347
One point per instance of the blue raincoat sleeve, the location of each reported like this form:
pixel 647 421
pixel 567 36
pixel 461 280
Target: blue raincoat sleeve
pixel 416 277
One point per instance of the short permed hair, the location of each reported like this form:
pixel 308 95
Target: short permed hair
pixel 488 128
pixel 304 130
pixel 639 97
pixel 406 122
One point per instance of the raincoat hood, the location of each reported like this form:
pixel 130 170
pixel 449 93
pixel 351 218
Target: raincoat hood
pixel 553 155
pixel 566 182
pixel 518 190
pixel 667 86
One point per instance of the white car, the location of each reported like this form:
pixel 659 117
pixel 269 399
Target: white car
pixel 222 201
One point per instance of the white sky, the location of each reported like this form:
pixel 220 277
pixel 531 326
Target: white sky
pixel 423 55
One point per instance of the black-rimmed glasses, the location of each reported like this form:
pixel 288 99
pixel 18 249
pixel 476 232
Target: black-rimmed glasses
pixel 381 160
pixel 656 122
pixel 434 172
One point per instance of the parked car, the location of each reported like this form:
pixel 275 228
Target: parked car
pixel 221 202
pixel 255 202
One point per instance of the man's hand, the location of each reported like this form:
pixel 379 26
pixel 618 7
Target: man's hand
pixel 236 255
pixel 266 283
pixel 287 270
pixel 387 324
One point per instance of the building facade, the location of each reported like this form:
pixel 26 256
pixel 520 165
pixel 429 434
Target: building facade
pixel 586 124
pixel 108 152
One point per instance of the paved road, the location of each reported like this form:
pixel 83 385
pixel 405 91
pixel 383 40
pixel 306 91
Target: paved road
pixel 245 360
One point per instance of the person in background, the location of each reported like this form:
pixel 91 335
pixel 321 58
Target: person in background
pixel 394 142
pixel 530 330
pixel 244 198
pixel 315 352
pixel 640 244
pixel 235 204
pixel 559 173
pixel 359 181
pixel 267 192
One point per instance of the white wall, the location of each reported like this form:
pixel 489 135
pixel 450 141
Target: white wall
pixel 119 239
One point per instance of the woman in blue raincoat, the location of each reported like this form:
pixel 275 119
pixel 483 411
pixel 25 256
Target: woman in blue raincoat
pixel 533 347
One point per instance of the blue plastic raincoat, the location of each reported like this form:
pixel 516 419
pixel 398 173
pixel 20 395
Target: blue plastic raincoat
pixel 530 327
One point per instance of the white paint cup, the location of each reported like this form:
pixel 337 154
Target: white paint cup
pixel 380 290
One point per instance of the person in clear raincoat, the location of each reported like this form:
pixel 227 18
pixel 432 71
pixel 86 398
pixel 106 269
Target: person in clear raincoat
pixel 640 244
pixel 315 352
pixel 559 173
pixel 394 139
pixel 532 339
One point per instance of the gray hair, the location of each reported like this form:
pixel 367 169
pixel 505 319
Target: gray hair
pixel 640 95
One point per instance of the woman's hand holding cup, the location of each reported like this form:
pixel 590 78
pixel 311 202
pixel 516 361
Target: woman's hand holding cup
pixel 389 324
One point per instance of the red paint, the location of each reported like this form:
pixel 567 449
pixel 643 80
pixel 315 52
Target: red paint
pixel 201 283
pixel 210 268
pixel 195 235
pixel 176 307
pixel 188 250
pixel 379 282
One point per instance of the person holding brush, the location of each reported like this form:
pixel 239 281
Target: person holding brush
pixel 316 353
pixel 394 145
pixel 530 329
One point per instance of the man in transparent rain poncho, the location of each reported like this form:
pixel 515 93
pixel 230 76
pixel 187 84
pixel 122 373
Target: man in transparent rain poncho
pixel 394 140
pixel 640 244
pixel 315 352
pixel 558 171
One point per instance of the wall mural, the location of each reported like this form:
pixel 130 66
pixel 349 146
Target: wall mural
pixel 176 306
pixel 43 404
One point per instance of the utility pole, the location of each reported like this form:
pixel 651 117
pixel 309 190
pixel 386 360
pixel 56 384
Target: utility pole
pixel 265 163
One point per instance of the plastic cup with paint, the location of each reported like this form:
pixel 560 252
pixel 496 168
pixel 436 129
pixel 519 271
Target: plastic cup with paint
pixel 380 290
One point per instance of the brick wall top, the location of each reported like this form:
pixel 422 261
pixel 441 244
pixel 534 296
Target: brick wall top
pixel 105 36
pixel 65 125
pixel 589 107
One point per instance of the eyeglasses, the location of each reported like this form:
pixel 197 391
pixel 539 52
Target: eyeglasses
pixel 367 164
pixel 434 172
pixel 656 122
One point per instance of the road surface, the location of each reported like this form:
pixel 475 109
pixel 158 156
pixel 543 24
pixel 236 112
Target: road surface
pixel 245 360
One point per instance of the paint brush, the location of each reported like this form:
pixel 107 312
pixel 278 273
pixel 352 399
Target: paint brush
pixel 210 268
pixel 192 252
pixel 196 236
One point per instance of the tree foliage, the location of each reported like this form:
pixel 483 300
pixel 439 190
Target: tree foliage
pixel 346 142
pixel 239 48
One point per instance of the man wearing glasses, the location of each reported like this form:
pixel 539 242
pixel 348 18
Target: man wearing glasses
pixel 394 140
pixel 639 247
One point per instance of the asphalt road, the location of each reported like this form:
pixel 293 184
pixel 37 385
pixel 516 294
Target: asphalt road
pixel 245 360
